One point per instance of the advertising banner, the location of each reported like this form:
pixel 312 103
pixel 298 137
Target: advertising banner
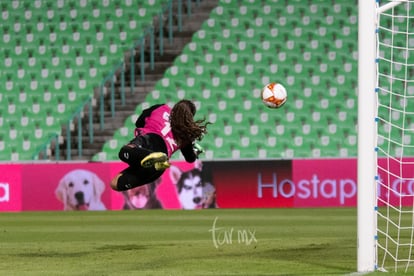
pixel 86 187
pixel 324 183
pixel 10 187
pixel 285 183
pixel 221 184
pixel 255 184
pixel 65 186
pixel 395 182
pixel 180 187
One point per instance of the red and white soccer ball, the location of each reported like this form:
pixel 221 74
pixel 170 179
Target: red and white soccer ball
pixel 274 95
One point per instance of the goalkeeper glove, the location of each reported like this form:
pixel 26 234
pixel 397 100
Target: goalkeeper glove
pixel 198 149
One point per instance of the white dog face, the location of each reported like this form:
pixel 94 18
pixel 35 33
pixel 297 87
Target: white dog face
pixel 81 190
pixel 189 186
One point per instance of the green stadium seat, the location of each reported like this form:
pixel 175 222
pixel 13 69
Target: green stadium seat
pixel 124 134
pixel 101 156
pixel 6 154
pixel 112 147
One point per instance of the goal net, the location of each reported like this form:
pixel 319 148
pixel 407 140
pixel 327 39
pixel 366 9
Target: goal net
pixel 395 136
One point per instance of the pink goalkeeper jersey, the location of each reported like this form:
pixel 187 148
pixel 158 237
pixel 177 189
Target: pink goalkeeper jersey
pixel 159 123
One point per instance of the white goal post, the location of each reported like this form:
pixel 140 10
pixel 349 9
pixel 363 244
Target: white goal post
pixel 367 157
pixel 369 12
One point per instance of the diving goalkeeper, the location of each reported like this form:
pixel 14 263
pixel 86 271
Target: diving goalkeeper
pixel 160 131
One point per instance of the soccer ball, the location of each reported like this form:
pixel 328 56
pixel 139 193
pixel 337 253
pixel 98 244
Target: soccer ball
pixel 274 95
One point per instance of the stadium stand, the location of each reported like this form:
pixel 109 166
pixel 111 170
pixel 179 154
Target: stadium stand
pixel 54 53
pixel 53 56
pixel 310 47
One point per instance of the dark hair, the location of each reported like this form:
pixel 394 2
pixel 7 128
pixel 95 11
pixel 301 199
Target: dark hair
pixel 183 126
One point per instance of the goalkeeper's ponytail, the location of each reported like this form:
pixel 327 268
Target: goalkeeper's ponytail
pixel 183 126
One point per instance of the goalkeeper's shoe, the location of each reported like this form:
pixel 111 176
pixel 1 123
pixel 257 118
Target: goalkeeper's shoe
pixel 158 160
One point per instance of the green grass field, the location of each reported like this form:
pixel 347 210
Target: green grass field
pixel 160 242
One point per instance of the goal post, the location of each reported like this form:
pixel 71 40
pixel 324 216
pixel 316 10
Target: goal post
pixel 385 230
pixel 367 157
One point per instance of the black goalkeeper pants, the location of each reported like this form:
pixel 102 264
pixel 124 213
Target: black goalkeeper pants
pixel 132 154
